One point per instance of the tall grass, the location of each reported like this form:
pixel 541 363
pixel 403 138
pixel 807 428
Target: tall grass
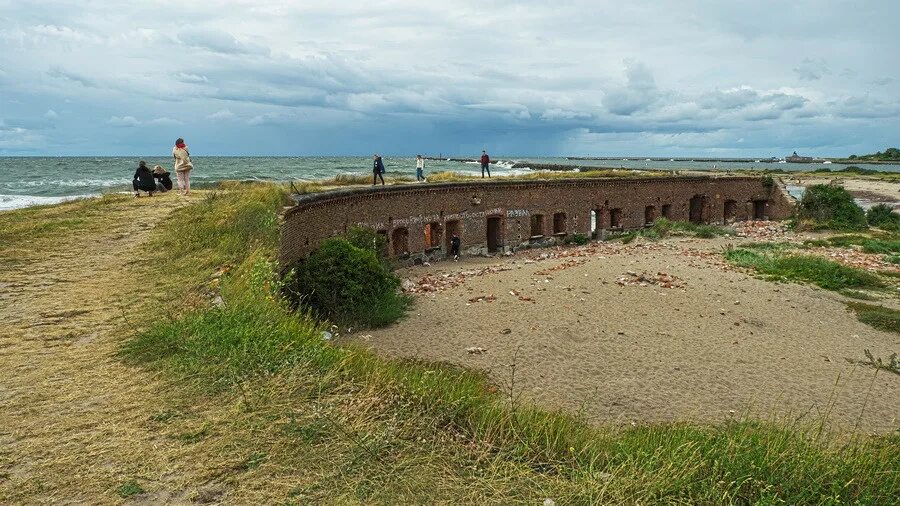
pixel 254 335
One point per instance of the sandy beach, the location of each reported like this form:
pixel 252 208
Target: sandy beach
pixel 710 343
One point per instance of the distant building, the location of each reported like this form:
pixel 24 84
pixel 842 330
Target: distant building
pixel 795 158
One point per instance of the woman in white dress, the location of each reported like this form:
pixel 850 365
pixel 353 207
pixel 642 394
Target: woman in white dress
pixel 183 166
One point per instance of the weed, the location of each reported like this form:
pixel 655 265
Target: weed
pixel 580 239
pixel 891 365
pixel 130 488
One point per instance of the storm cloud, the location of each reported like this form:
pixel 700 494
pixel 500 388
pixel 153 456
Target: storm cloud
pixel 401 77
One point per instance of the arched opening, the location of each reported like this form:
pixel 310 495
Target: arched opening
pixel 433 235
pixel 696 209
pixel 615 218
pixel 649 215
pixel 730 211
pixel 494 233
pixel 452 229
pixel 667 211
pixel 559 224
pixel 759 209
pixel 537 225
pixel 400 241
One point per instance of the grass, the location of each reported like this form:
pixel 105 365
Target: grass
pixel 130 488
pixel 878 243
pixel 818 271
pixel 879 317
pixel 350 426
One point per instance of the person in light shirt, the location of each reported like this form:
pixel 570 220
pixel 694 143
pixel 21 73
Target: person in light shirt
pixel 183 166
pixel 420 168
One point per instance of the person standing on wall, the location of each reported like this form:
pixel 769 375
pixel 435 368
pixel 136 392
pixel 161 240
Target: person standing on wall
pixel 183 166
pixel 420 168
pixel 485 164
pixel 377 170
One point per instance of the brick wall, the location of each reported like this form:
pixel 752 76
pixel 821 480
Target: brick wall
pixel 511 208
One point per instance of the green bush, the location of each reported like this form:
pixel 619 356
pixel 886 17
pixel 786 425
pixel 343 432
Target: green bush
pixel 580 239
pixel 347 285
pixel 883 216
pixel 831 207
pixel 368 239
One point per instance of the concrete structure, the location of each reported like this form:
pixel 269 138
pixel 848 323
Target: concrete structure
pixel 505 215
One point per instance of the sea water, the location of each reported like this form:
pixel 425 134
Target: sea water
pixel 27 181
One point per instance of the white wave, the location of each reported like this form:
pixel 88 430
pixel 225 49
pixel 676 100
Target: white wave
pixel 8 202
pixel 105 183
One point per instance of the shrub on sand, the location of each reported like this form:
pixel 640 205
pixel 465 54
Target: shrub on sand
pixel 883 216
pixel 347 285
pixel 830 207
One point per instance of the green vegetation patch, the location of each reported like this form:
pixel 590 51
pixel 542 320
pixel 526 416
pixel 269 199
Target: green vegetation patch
pixel 883 216
pixel 879 317
pixel 129 488
pixel 819 271
pixel 830 207
pixel 348 285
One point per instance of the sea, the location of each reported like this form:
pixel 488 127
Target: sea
pixel 30 181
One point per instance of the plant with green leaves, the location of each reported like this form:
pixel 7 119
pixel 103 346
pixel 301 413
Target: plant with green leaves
pixel 347 285
pixel 830 207
pixel 883 216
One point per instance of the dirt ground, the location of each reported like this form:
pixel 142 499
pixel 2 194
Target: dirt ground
pixel 74 420
pixel 583 333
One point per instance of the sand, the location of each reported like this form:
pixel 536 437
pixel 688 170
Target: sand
pixel 725 345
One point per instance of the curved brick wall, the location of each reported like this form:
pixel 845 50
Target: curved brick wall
pixel 519 213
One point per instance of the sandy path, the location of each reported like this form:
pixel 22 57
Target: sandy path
pixel 725 342
pixel 73 418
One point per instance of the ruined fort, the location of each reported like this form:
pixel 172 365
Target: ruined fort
pixel 506 215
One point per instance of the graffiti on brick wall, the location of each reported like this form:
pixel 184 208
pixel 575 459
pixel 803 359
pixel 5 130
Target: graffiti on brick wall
pixel 432 218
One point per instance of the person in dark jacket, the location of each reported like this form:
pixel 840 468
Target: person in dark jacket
pixel 377 170
pixel 163 181
pixel 454 246
pixel 485 164
pixel 143 180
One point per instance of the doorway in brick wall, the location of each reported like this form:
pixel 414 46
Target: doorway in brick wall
pixel 695 211
pixel 494 233
pixel 451 228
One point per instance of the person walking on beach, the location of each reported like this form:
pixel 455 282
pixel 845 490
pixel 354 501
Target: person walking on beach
pixel 485 164
pixel 143 180
pixel 183 166
pixel 163 181
pixel 420 168
pixel 377 170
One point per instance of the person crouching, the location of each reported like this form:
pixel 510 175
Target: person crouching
pixel 163 181
pixel 143 180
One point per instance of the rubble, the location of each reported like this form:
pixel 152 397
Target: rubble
pixel 661 279
pixel 759 229
pixel 475 350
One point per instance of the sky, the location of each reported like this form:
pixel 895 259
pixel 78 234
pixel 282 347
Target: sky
pixel 531 78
